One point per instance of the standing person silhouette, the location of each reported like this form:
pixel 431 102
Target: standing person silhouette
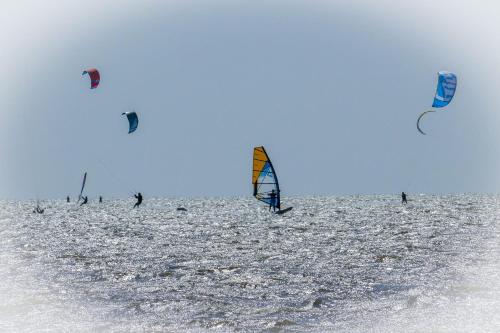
pixel 138 196
pixel 403 198
pixel 272 201
pixel 100 199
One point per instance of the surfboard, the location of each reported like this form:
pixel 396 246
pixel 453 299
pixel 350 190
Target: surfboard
pixel 283 211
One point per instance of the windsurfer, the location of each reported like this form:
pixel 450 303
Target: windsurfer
pixel 85 200
pixel 403 198
pixel 272 201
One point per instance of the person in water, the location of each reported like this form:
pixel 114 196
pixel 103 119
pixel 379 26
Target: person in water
pixel 67 198
pixel 100 199
pixel 38 209
pixel 85 200
pixel 138 196
pixel 272 201
pixel 403 198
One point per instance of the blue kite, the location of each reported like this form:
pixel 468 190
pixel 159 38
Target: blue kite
pixel 447 84
pixel 133 121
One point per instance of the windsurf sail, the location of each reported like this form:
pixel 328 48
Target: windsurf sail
pixel 264 179
pixel 83 186
pixel 133 121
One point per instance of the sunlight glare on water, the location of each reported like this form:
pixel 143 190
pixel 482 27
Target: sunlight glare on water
pixel 348 264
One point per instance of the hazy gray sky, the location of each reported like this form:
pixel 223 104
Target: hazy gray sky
pixel 332 89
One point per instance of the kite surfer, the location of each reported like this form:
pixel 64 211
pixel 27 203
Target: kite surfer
pixel 403 198
pixel 138 196
pixel 85 200
pixel 272 201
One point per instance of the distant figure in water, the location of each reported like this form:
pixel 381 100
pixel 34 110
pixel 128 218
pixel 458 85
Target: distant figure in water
pixel 67 198
pixel 38 209
pixel 403 198
pixel 100 199
pixel 272 201
pixel 138 196
pixel 85 200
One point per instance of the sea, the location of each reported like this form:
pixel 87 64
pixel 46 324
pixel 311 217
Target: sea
pixel 362 263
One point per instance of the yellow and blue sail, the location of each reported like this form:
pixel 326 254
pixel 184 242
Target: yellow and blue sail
pixel 264 179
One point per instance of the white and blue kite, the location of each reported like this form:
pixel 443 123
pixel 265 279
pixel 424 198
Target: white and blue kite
pixel 447 84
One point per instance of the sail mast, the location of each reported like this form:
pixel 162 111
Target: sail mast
pixel 83 186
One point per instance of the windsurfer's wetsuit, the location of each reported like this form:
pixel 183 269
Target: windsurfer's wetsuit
pixel 85 200
pixel 272 201
pixel 139 199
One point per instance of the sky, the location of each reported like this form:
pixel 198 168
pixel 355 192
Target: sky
pixel 332 89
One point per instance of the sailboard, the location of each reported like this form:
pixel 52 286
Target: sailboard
pixel 83 186
pixel 265 183
pixel 283 211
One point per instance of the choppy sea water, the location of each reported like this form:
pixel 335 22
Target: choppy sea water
pixel 332 264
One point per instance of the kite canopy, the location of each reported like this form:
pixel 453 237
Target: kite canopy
pixel 447 84
pixel 264 178
pixel 133 121
pixel 94 77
